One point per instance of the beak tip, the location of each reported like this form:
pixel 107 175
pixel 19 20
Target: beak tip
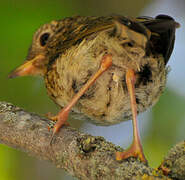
pixel 12 75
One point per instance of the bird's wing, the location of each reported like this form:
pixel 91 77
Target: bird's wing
pixel 74 30
pixel 162 27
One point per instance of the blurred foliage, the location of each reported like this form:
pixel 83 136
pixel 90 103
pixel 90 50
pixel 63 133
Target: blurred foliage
pixel 168 116
pixel 19 20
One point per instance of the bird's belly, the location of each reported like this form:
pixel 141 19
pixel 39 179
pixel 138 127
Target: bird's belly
pixel 107 101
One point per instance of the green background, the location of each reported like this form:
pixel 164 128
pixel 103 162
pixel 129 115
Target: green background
pixel 19 20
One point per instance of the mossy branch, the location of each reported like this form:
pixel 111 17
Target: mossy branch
pixel 82 155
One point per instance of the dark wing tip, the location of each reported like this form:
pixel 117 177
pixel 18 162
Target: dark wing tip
pixel 167 17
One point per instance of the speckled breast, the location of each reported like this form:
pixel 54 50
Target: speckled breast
pixel 107 101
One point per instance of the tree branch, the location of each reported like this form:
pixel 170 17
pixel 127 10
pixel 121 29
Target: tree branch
pixel 80 154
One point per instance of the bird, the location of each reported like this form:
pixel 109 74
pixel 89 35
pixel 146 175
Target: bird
pixel 105 69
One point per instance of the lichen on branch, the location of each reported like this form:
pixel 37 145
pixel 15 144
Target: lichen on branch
pixel 80 154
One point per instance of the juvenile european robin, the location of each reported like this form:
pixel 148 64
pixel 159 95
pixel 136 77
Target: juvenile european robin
pixel 105 69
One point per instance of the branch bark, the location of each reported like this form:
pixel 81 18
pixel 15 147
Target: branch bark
pixel 82 155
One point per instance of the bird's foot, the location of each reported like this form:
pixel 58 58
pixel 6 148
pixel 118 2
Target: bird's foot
pixel 61 119
pixel 135 150
pixel 50 116
pixel 55 118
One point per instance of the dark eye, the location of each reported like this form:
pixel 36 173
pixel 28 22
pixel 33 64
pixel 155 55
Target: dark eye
pixel 44 38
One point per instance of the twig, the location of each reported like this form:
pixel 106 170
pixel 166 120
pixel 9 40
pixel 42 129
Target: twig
pixel 82 155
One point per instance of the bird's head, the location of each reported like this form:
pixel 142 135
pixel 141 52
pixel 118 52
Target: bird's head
pixel 37 60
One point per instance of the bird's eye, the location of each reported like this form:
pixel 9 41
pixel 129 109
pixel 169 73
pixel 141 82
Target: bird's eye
pixel 44 38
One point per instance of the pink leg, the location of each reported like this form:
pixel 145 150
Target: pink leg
pixel 135 149
pixel 63 114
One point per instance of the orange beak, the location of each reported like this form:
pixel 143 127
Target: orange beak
pixel 35 66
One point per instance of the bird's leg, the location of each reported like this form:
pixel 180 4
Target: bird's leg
pixel 135 150
pixel 63 114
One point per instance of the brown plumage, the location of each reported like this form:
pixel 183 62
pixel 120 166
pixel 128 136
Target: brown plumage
pixel 68 52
